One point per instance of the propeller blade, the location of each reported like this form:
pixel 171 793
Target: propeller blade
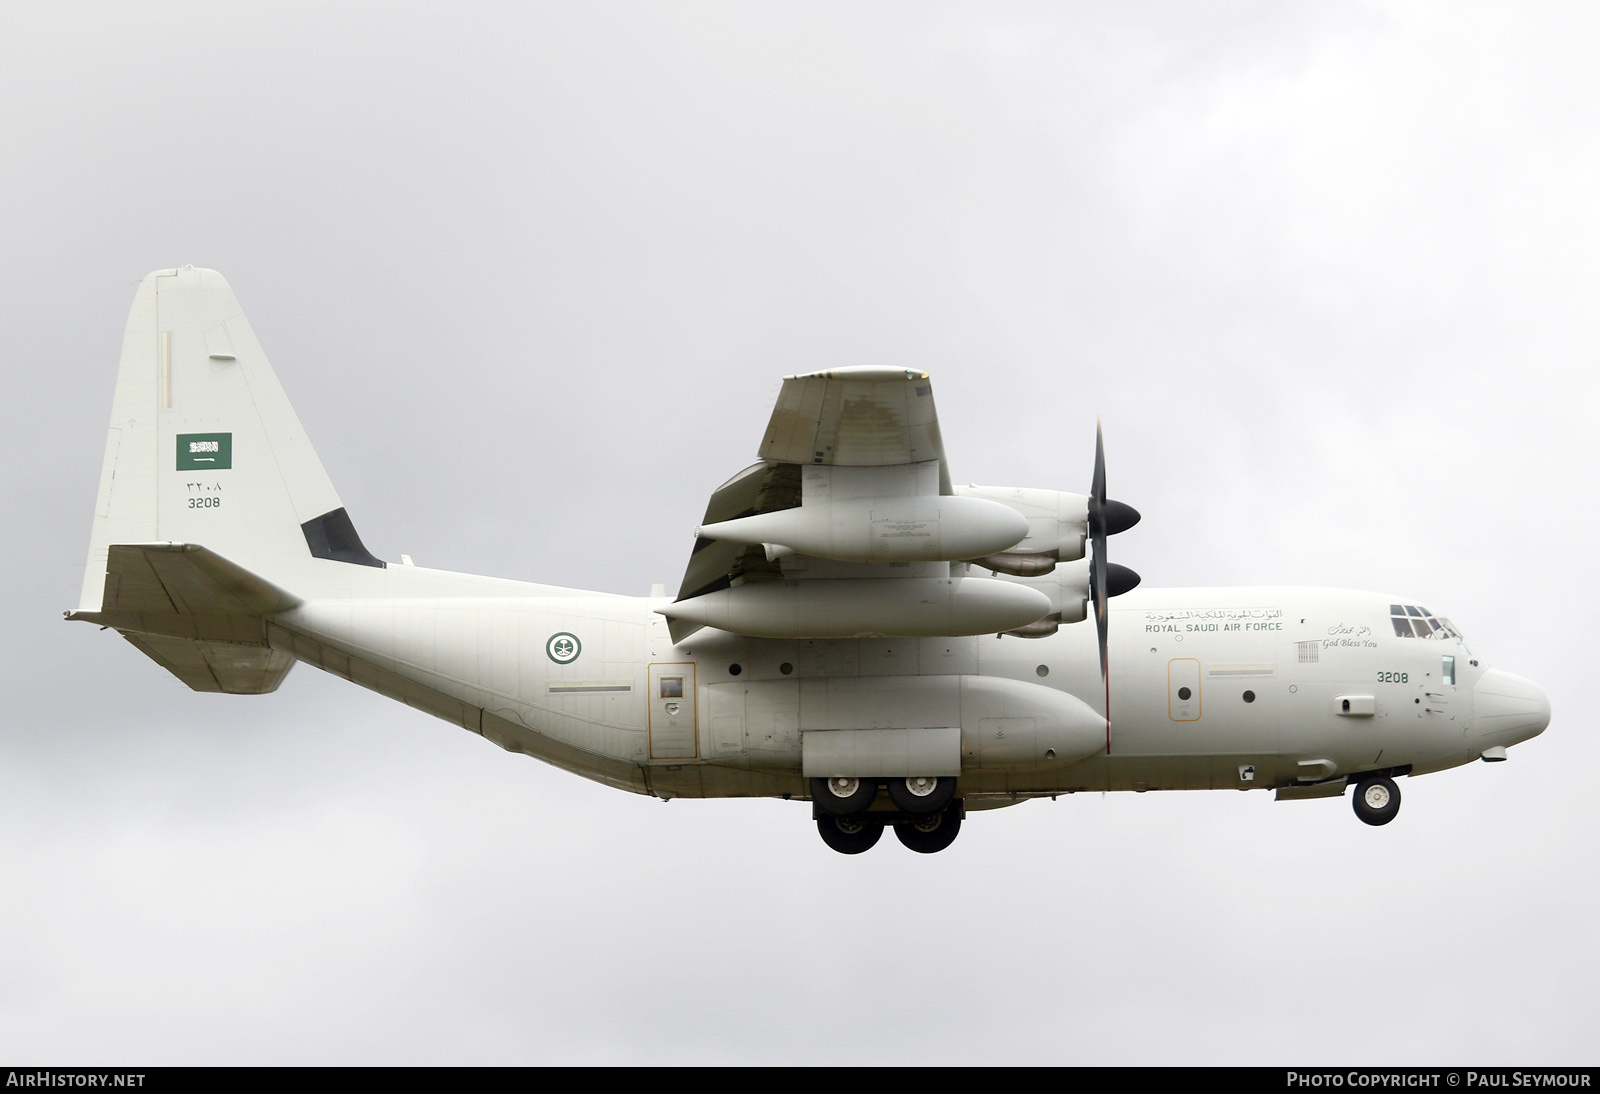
pixel 1097 492
pixel 1101 621
pixel 1106 518
pixel 1098 578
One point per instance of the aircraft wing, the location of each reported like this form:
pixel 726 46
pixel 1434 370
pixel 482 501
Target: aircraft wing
pixel 870 417
pixel 856 417
pixel 848 525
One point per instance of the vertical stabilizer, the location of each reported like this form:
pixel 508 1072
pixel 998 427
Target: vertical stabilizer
pixel 204 448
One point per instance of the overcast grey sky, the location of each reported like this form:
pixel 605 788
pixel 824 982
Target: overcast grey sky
pixel 531 273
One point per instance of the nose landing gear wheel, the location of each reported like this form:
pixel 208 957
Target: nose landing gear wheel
pixel 931 833
pixel 842 795
pixel 1377 800
pixel 848 835
pixel 922 793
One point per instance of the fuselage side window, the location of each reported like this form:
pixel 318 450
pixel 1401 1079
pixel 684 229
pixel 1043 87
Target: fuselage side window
pixel 1449 671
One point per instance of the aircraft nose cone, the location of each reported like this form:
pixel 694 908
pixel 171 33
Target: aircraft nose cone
pixel 1508 708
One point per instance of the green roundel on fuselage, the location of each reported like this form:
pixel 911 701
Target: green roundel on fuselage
pixel 563 648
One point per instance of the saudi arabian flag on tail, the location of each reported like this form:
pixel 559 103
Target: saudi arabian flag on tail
pixel 205 451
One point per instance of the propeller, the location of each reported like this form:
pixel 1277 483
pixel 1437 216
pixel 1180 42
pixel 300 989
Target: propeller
pixel 1106 518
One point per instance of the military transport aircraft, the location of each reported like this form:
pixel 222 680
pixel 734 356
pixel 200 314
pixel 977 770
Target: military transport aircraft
pixel 852 628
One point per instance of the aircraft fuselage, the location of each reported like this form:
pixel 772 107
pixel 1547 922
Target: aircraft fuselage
pixel 1209 689
pixel 221 550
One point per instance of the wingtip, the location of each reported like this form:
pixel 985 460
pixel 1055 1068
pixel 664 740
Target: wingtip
pixel 205 273
pixel 868 373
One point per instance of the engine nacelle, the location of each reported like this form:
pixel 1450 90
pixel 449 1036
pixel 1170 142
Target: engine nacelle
pixel 1058 526
pixel 1067 589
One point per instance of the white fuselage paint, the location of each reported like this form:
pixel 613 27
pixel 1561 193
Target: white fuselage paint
pixel 593 683
pixel 218 530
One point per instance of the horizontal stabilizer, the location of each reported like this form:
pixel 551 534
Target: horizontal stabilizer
pixel 198 615
pixel 217 666
pixel 187 579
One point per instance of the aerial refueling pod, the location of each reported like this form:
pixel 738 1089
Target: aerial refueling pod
pixel 938 528
pixel 860 608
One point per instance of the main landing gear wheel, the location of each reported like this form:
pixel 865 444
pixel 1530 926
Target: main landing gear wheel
pixel 922 793
pixel 842 795
pixel 931 833
pixel 849 835
pixel 1377 800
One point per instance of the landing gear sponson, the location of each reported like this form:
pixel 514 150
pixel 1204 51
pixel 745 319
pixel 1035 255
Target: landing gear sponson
pixel 925 812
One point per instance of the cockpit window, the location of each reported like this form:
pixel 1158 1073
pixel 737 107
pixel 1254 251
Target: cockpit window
pixel 1413 621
